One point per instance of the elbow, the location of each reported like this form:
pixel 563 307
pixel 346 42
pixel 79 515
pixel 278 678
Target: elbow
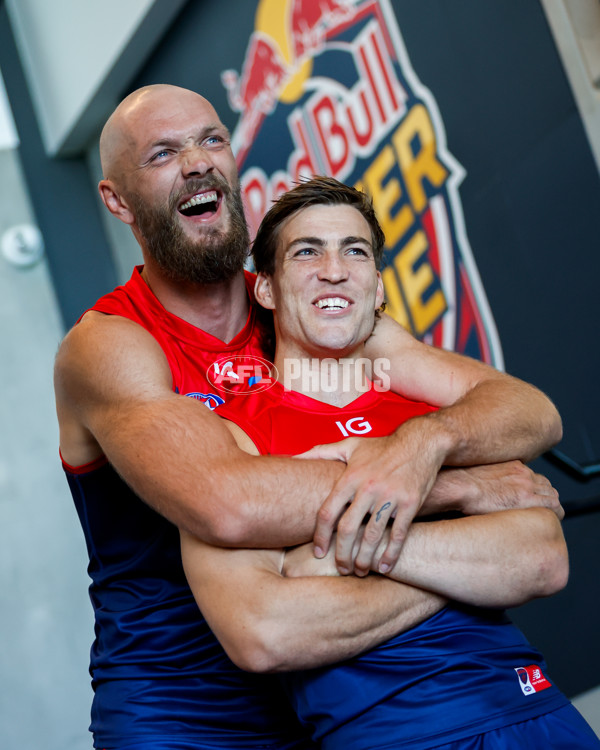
pixel 552 559
pixel 555 430
pixel 259 649
pixel 552 425
pixel 553 571
pixel 226 528
pixel 544 570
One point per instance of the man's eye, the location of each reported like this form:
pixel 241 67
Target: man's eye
pixel 357 251
pixel 304 251
pixel 159 155
pixel 214 140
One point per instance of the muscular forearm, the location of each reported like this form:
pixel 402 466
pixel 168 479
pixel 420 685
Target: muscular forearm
pixel 184 462
pixel 272 501
pixel 482 489
pixel 485 415
pixel 499 560
pixel 268 622
pixel 311 622
pixel 499 419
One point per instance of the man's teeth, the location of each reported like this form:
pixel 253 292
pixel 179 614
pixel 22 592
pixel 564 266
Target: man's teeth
pixel 332 302
pixel 198 199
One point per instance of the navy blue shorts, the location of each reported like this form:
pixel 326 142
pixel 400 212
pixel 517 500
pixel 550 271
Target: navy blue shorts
pixel 563 729
pixel 175 744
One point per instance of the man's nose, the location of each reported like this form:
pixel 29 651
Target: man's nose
pixel 332 268
pixel 196 160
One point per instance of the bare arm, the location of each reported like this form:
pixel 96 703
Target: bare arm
pixel 474 490
pixel 269 623
pixel 485 416
pixel 502 559
pixel 114 396
pixel 489 415
pixel 309 616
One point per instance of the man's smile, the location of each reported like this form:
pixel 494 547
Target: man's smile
pixel 204 203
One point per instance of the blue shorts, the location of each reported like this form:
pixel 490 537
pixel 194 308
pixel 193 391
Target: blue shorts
pixel 192 745
pixel 563 729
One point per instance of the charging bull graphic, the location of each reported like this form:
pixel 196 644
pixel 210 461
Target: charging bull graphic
pixel 327 88
pixel 309 19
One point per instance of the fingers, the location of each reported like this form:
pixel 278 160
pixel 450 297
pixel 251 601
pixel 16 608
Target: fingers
pixel 327 519
pixel 341 451
pixel 371 538
pixel 546 495
pixel 381 477
pixel 331 451
pixel 348 530
pixel 398 533
pixel 348 519
pixel 361 526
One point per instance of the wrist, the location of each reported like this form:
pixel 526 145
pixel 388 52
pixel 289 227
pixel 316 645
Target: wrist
pixel 429 438
pixel 455 489
pixel 442 434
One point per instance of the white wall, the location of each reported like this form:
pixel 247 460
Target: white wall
pixel 74 53
pixel 8 134
pixel 575 25
pixel 46 619
pixel 46 622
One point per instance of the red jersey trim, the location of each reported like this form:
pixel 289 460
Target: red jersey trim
pixel 84 468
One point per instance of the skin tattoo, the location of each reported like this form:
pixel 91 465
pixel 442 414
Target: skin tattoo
pixel 380 511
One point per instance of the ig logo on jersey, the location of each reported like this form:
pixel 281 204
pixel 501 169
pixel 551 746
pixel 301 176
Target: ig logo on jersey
pixel 242 374
pixel 354 426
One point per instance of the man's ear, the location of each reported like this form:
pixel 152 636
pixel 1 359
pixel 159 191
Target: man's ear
pixel 380 295
pixel 263 291
pixel 115 203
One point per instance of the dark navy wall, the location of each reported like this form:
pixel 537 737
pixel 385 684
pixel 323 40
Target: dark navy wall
pixel 530 197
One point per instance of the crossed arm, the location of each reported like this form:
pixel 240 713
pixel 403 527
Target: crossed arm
pixel 114 397
pixel 277 611
pixel 485 417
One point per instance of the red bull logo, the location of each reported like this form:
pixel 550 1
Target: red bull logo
pixel 327 88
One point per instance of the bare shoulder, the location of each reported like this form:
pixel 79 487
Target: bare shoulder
pixel 105 350
pixel 103 363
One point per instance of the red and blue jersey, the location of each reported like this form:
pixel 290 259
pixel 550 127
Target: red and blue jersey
pixel 462 672
pixel 158 672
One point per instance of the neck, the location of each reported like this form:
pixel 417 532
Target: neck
pixel 219 309
pixel 332 378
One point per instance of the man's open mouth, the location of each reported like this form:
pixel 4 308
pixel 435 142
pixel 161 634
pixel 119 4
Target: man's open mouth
pixel 332 303
pixel 201 204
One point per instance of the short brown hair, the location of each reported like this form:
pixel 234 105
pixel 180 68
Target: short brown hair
pixel 317 191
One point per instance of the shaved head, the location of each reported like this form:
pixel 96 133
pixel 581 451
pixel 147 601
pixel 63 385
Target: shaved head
pixel 120 134
pixel 170 174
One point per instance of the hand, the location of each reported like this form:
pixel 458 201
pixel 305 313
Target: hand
pixel 300 561
pixel 503 486
pixel 387 477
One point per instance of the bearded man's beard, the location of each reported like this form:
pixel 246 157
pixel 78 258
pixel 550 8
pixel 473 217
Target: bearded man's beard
pixel 214 256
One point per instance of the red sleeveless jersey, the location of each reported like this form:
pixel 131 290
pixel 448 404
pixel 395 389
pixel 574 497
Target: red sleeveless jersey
pixel 190 351
pixel 286 422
